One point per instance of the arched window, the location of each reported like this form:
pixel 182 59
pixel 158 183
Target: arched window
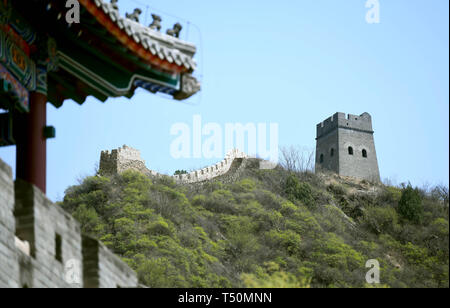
pixel 332 152
pixel 321 158
pixel 350 151
pixel 364 153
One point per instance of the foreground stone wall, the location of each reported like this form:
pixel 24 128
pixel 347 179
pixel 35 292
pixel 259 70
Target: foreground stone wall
pixel 9 266
pixel 53 235
pixel 103 269
pixel 41 245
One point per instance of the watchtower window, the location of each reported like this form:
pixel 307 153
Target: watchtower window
pixel 58 247
pixel 321 158
pixel 350 151
pixel 364 153
pixel 332 152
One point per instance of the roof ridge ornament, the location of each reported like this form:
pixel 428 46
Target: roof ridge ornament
pixel 135 15
pixel 175 31
pixel 114 5
pixel 156 23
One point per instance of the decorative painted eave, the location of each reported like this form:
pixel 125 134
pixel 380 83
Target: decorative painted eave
pixel 158 49
pixel 104 56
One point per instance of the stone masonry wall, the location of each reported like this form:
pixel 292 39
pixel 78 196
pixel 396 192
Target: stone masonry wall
pixel 41 245
pixel 356 165
pixel 100 268
pixel 119 160
pixel 54 236
pixel 127 158
pixel 212 172
pixel 324 146
pixel 9 267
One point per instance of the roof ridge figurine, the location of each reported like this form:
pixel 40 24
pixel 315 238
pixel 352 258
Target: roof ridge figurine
pixel 114 4
pixel 175 32
pixel 156 23
pixel 135 15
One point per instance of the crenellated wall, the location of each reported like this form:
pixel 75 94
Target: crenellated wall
pixel 127 158
pixel 362 122
pixel 41 245
pixel 103 269
pixel 211 172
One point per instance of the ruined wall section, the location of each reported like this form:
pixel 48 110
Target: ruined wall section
pixel 120 160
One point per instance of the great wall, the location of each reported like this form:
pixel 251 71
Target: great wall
pixel 42 245
pixel 127 158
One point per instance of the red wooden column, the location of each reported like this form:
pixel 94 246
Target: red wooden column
pixel 31 144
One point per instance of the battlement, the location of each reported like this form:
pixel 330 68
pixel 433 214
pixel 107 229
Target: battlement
pixel 213 171
pixel 362 122
pixel 123 153
pixel 126 158
pixel 41 245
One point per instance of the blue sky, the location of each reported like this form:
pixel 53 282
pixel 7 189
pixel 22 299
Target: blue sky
pixel 294 63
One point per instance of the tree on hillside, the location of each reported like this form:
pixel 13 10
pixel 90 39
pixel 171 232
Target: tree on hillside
pixel 410 204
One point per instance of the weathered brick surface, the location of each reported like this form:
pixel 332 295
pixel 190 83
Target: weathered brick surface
pixel 9 268
pixel 26 212
pixel 103 269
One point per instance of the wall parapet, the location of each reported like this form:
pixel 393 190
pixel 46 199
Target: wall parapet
pixel 41 244
pixel 116 163
pixel 362 122
pixel 211 172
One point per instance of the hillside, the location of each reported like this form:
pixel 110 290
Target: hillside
pixel 267 228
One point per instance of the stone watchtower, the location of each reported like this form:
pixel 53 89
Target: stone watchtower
pixel 121 159
pixel 345 145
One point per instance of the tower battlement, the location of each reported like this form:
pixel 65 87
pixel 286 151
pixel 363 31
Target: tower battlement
pixel 362 122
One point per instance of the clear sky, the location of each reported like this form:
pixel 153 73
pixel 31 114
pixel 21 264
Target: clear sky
pixel 289 62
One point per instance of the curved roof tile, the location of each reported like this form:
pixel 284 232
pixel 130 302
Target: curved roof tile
pixel 166 47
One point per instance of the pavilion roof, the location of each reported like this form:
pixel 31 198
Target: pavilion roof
pixel 105 55
pixel 150 44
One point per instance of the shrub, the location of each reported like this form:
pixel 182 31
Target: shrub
pixel 410 205
pixel 301 191
pixel 180 172
pixel 381 219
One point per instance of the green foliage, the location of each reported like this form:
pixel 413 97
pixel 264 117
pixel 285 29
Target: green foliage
pixel 300 191
pixel 180 172
pixel 410 205
pixel 382 219
pixel 272 277
pixel 267 229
